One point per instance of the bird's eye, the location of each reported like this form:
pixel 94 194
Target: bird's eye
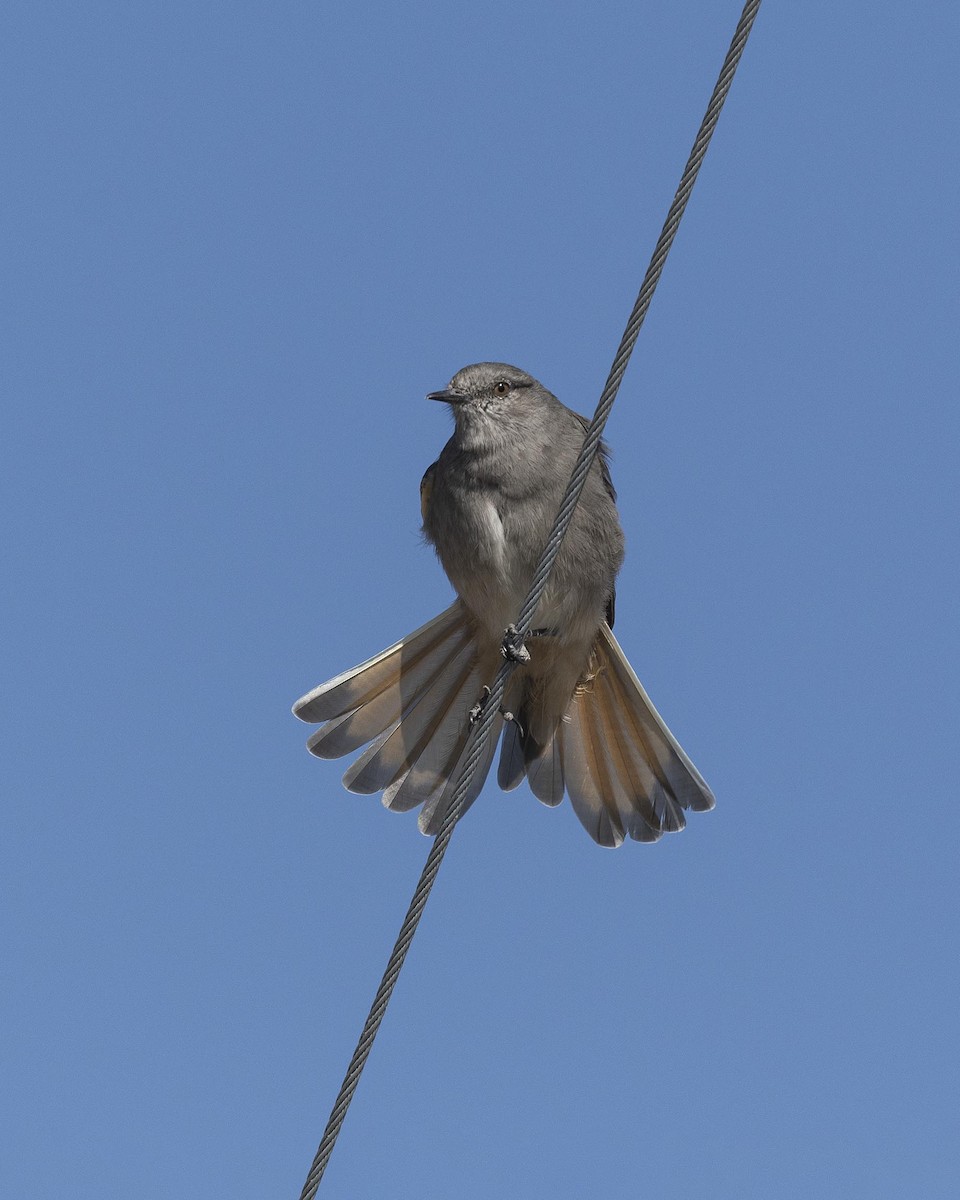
pixel 501 387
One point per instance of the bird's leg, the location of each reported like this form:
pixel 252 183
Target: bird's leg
pixel 477 710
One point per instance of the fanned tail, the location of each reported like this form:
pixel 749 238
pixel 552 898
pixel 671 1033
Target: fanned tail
pixel 624 771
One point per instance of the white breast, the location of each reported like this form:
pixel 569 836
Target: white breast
pixel 484 577
pixel 494 542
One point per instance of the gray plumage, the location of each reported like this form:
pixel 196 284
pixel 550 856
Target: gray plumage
pixel 582 724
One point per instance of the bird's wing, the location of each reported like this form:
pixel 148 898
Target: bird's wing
pixel 426 490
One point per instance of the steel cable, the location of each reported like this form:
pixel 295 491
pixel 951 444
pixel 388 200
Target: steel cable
pixel 491 705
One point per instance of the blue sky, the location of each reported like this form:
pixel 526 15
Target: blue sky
pixel 241 241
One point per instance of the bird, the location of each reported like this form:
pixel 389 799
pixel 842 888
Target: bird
pixel 575 719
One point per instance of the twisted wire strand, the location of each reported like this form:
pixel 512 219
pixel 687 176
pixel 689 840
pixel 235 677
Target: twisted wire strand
pixel 482 727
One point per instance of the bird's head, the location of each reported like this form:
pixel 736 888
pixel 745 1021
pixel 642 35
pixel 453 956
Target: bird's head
pixel 490 400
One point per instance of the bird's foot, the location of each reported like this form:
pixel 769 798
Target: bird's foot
pixel 512 647
pixel 509 716
pixel 477 711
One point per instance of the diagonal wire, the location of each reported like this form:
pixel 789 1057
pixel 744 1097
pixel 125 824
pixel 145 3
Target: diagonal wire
pixel 482 727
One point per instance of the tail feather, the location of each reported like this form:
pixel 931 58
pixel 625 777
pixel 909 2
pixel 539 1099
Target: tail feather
pixel 651 796
pixel 544 767
pixel 437 752
pixel 631 779
pixel 399 693
pixel 585 773
pixel 666 758
pixel 511 770
pixel 435 809
pixel 421 650
pixel 408 738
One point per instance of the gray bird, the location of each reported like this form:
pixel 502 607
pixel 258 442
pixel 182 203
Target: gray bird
pixel 575 718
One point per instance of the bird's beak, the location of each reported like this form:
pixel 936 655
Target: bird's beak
pixel 449 396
